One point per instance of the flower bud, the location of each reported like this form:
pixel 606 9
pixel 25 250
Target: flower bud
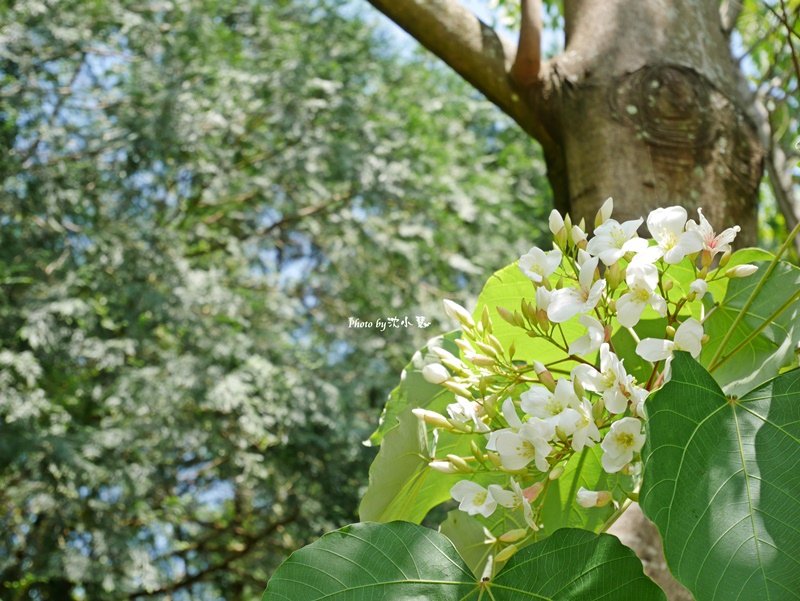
pixel 577 386
pixel 476 451
pixel 670 332
pixel 668 285
pixel 459 313
pixel 457 388
pixel 741 271
pixel 591 498
pixel 533 491
pixel 604 213
pixel 555 222
pixel 482 360
pixel 460 464
pixel 513 536
pixel 506 553
pixel 506 315
pixel 614 275
pixel 544 375
pixel 432 418
pixel 494 458
pixel 435 373
pixel 697 289
pixel 597 409
pixel 445 467
pixel 486 321
pixel 555 473
pixel 726 257
pixel 706 258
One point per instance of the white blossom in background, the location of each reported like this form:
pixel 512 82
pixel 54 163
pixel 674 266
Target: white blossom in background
pixel 642 280
pixel 613 240
pixel 713 243
pixel 509 413
pixel 539 265
pixel 591 341
pixel 620 443
pixel 667 228
pixel 473 498
pixel 530 443
pixel 569 302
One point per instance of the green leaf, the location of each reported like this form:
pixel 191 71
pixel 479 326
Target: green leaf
pixel 413 390
pixel 468 536
pixel 721 484
pixel 401 561
pixel 506 288
pixel 560 510
pixel 771 348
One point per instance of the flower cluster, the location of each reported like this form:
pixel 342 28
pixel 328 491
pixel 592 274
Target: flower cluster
pixel 528 418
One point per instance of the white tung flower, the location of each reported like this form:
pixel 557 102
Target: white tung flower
pixel 584 430
pixel 613 239
pixel 568 302
pixel 514 499
pixel 530 443
pixel 642 279
pixel 555 222
pixel 698 288
pixel 512 419
pixel 612 381
pixel 713 243
pixel 538 265
pixel 473 498
pixel 467 412
pixel 556 408
pixel 591 341
pixel 688 337
pixel 623 440
pixel 667 228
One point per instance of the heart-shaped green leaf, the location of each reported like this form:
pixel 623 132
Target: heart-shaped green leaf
pixel 722 483
pixel 403 562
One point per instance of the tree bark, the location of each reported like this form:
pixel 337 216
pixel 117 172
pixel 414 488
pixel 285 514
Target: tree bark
pixel 643 105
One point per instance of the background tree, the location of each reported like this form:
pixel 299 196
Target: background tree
pixel 646 102
pixel 196 197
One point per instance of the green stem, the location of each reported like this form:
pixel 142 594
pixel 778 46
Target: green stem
pixel 573 490
pixel 755 332
pixel 615 516
pixel 751 299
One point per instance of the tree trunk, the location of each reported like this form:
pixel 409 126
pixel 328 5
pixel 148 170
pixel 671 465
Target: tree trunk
pixel 645 104
pixel 647 108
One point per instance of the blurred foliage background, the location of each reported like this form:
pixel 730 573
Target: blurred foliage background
pixel 196 197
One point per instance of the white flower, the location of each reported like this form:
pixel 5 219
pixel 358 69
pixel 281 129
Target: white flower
pixel 713 243
pixel 623 440
pixel 698 288
pixel 591 341
pixel 530 443
pixel 612 381
pixel 473 498
pixel 555 222
pixel 642 279
pixel 538 265
pixel 568 302
pixel 666 227
pixel 464 412
pixel 513 420
pixel 435 373
pixel 688 337
pixel 613 239
pixel 584 430
pixel 593 498
pixel 514 499
pixel 556 408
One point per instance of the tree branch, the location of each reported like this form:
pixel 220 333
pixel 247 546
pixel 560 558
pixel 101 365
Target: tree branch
pixel 527 63
pixel 472 48
pixel 729 13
